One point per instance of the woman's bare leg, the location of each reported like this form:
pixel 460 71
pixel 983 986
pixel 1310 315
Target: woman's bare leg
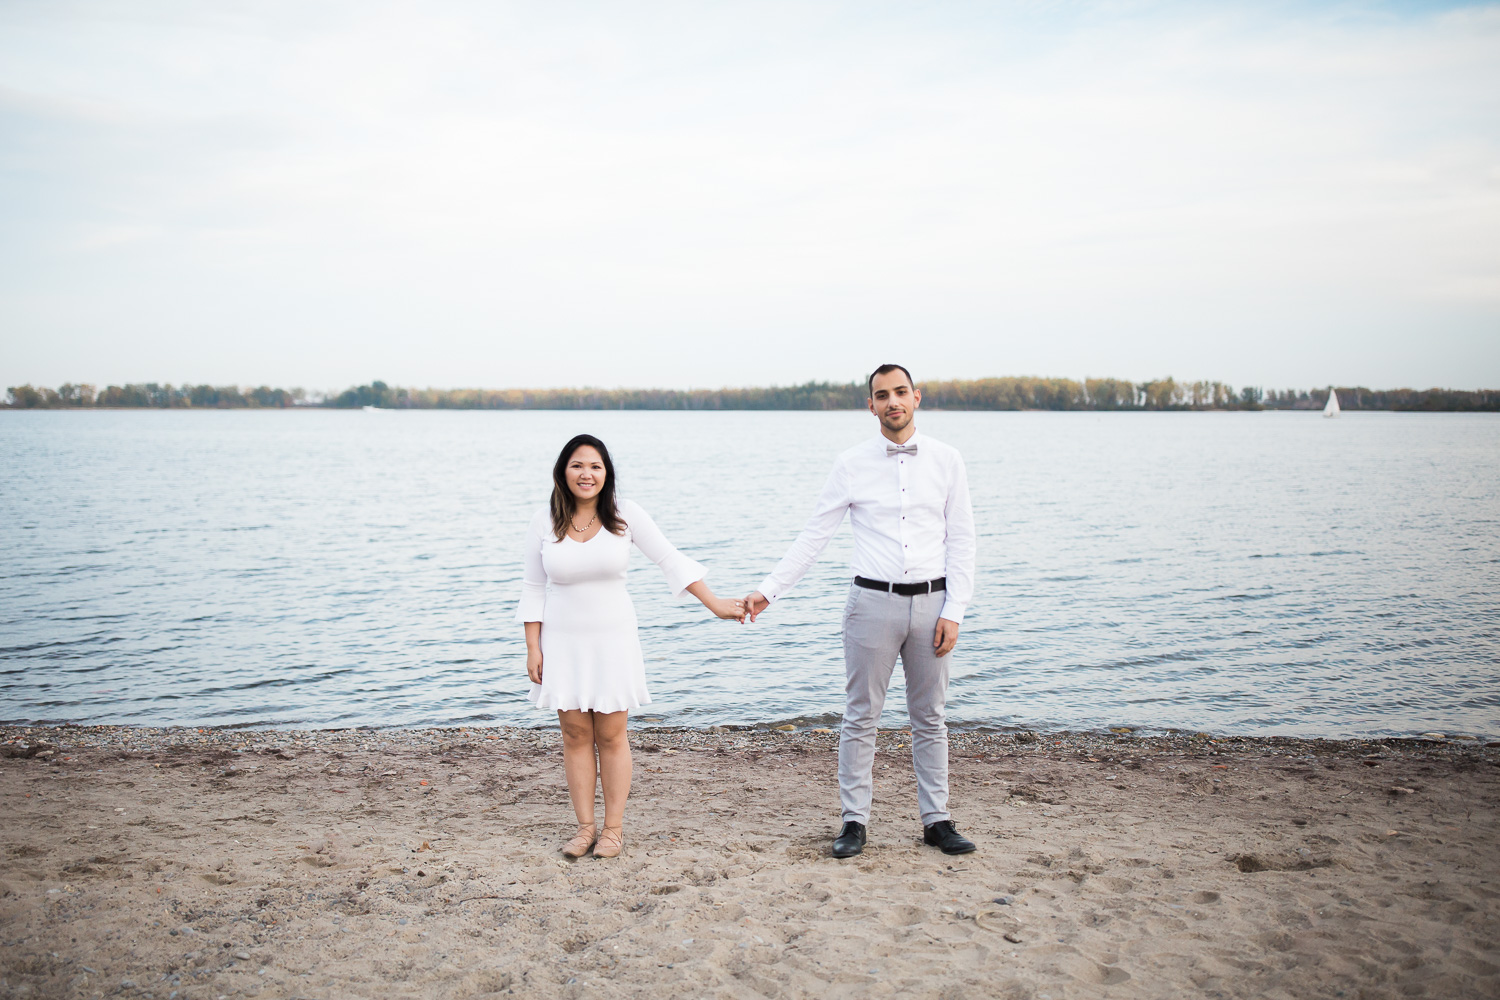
pixel 578 762
pixel 614 764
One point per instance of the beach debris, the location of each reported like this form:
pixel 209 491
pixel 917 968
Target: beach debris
pixel 28 750
pixel 1249 864
pixel 999 921
pixel 1025 737
pixel 785 729
pixel 1401 790
pixel 1433 736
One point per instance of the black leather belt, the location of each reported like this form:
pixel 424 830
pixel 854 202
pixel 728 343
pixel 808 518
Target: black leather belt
pixel 904 589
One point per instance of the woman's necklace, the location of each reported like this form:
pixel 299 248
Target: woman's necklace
pixel 586 527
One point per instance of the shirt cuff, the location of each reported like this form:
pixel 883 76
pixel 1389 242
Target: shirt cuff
pixel 769 589
pixel 954 611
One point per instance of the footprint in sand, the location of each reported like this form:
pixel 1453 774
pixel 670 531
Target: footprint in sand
pixel 902 916
pixel 1088 971
pixel 816 893
pixel 1120 885
pixel 1205 896
pixel 1475 965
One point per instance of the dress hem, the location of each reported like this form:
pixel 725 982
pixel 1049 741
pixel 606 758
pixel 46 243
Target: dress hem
pixel 556 704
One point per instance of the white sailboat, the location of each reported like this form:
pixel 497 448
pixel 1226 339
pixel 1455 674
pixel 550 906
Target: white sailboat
pixel 1332 409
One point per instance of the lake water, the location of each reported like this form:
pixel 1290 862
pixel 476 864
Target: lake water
pixel 1233 572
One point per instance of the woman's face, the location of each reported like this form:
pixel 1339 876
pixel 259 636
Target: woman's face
pixel 585 472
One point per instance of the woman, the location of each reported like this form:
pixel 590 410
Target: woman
pixel 582 652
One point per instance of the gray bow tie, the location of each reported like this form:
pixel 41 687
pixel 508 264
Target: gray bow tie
pixel 901 449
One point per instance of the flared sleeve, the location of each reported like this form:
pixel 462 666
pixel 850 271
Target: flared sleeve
pixel 680 571
pixel 533 573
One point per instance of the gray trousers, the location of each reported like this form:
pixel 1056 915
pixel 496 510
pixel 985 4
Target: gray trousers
pixel 877 628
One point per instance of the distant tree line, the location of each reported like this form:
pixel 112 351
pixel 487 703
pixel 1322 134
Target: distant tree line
pixel 1359 398
pixel 151 395
pixel 812 396
pixel 1011 393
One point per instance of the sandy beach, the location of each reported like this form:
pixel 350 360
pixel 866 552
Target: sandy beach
pixel 203 864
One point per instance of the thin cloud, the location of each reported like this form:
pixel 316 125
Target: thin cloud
pixel 751 193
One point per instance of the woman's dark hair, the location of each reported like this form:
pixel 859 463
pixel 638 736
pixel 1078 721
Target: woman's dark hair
pixel 565 504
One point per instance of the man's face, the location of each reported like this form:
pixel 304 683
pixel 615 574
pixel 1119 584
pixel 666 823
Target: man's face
pixel 894 401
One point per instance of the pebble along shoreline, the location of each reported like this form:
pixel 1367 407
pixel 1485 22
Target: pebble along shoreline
pixel 48 741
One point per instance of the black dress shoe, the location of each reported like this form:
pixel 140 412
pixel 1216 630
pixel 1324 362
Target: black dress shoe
pixel 851 840
pixel 943 834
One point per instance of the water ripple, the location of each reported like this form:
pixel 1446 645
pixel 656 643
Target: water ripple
pixel 1272 573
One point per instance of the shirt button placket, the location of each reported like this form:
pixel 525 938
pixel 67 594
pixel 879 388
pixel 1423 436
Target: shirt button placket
pixel 905 545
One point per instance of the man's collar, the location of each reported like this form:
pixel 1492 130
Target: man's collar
pixel 883 440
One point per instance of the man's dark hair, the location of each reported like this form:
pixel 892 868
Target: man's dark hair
pixel 886 370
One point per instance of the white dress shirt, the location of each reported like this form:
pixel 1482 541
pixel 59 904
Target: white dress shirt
pixel 911 518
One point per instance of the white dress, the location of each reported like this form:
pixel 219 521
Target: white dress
pixel 591 654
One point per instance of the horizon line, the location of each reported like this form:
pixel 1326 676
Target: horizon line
pixel 804 384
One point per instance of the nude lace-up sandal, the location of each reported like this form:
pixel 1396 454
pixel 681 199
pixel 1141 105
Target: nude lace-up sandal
pixel 581 842
pixel 611 842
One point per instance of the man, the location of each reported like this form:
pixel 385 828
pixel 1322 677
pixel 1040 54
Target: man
pixel 908 501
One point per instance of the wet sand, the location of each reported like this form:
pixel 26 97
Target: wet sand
pixel 205 864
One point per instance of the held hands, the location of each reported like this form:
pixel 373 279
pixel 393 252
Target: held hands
pixel 726 607
pixel 755 602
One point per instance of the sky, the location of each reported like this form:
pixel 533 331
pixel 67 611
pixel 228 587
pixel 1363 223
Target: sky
pixel 493 194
